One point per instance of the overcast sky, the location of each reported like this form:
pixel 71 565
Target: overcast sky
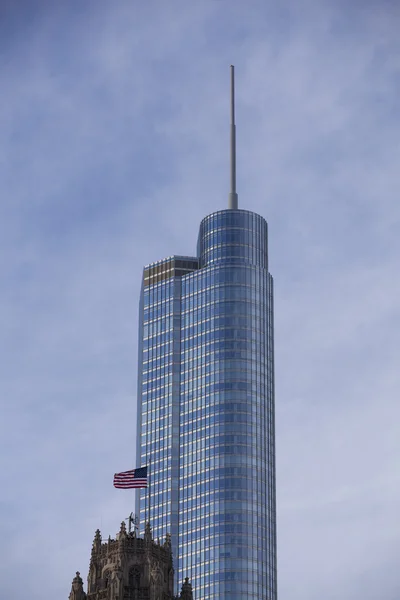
pixel 114 145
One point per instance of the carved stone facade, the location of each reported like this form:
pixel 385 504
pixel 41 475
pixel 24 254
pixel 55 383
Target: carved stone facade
pixel 130 568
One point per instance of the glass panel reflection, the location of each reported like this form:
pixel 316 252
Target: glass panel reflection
pixel 206 408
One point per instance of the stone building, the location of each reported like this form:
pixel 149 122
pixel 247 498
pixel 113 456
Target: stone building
pixel 130 568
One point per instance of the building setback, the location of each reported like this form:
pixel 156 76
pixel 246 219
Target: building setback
pixel 206 406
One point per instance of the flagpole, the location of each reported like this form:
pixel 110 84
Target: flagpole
pixel 146 503
pixel 148 493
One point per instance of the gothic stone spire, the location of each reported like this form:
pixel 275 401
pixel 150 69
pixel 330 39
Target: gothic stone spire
pixel 77 592
pixel 187 592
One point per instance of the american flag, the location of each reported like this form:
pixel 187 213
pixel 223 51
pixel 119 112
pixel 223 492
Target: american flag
pixel 136 478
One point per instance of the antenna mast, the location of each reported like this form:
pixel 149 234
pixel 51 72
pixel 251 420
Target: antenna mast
pixel 233 197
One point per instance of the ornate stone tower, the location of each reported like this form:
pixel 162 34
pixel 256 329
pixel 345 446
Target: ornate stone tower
pixel 77 592
pixel 130 568
pixel 186 593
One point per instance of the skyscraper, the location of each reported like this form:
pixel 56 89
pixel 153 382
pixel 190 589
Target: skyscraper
pixel 206 405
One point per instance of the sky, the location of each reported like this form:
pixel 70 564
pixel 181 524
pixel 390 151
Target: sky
pixel 114 121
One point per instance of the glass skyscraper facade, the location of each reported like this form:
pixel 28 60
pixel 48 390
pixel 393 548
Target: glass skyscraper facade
pixel 206 409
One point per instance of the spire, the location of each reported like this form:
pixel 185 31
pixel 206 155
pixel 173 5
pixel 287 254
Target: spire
pixel 77 592
pixel 167 543
pixel 122 532
pixel 97 541
pixel 147 533
pixel 186 593
pixel 123 527
pixel 233 197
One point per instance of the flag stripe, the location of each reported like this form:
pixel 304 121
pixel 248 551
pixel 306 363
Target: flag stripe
pixel 139 481
pixel 135 478
pixel 130 478
pixel 130 486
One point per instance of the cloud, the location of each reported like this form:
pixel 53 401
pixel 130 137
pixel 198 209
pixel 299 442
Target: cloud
pixel 115 137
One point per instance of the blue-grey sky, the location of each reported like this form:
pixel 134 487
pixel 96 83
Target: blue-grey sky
pixel 114 145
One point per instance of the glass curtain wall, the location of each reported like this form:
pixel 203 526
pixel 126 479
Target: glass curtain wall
pixel 214 471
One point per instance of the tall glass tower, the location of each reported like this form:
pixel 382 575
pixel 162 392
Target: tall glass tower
pixel 206 405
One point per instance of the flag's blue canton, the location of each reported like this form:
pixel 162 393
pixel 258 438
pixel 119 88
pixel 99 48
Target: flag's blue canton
pixel 140 473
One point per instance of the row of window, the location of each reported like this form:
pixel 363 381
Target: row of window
pixel 232 253
pixel 213 276
pixel 214 293
pixel 218 381
pixel 225 401
pixel 227 272
pixel 159 468
pixel 207 425
pixel 200 389
pixel 234 237
pixel 165 299
pixel 220 359
pixel 208 354
pixel 197 440
pixel 162 429
pixel 232 218
pixel 226 362
pixel 251 515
